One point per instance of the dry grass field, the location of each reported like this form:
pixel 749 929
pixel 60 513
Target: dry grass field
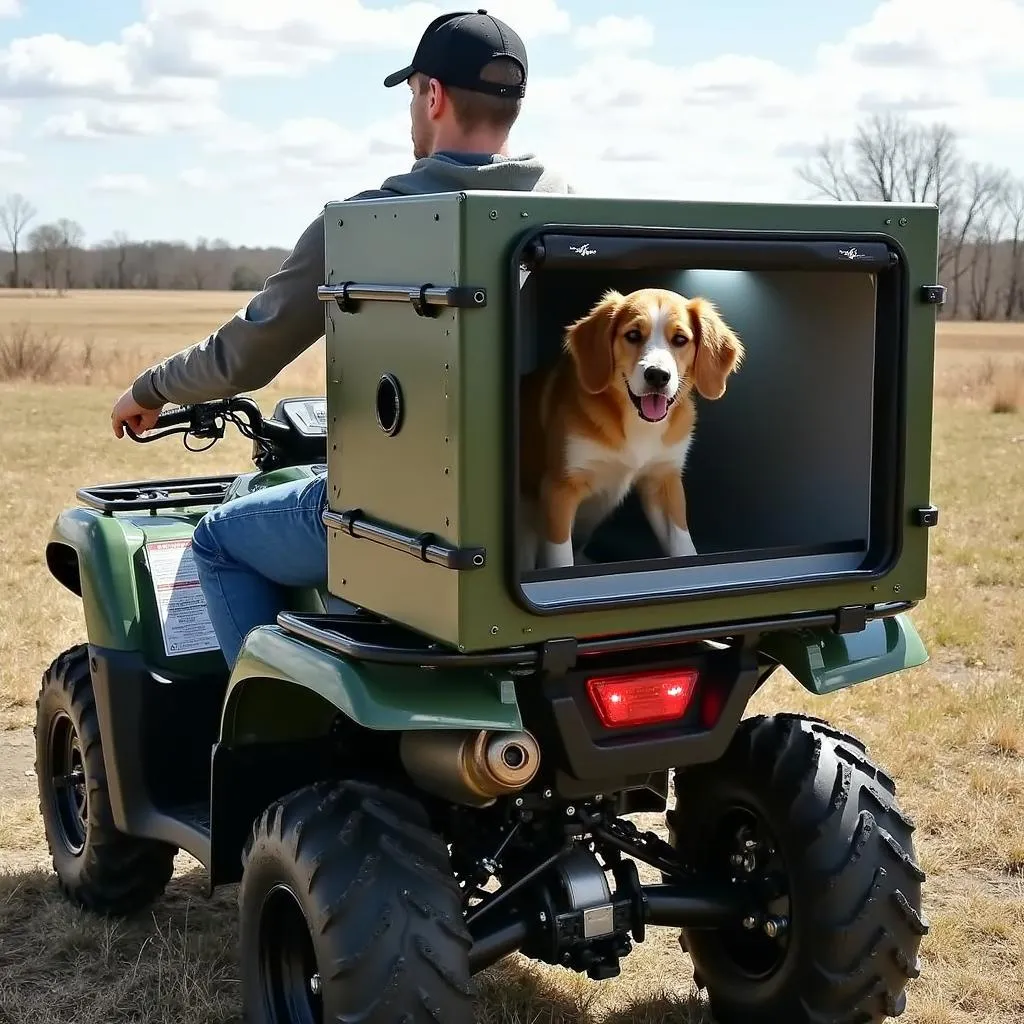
pixel 951 732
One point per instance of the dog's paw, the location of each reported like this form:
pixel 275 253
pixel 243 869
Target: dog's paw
pixel 558 556
pixel 680 544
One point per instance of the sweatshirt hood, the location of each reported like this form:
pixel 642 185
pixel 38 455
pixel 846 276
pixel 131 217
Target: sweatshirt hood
pixel 452 172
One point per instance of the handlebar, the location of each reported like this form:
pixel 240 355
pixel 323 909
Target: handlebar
pixel 207 420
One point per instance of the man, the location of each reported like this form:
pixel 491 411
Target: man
pixel 467 79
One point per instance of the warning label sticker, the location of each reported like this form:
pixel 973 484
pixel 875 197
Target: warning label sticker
pixel 184 620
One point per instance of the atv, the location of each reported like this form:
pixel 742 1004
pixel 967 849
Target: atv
pixel 434 760
pixel 391 841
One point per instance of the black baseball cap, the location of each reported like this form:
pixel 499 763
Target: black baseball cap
pixel 456 47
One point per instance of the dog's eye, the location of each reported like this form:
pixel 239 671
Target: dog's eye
pixel 679 340
pixel 635 335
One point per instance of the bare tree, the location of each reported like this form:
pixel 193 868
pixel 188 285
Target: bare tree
pixel 45 243
pixel 15 214
pixel 72 235
pixel 1014 203
pixel 984 239
pixel 121 245
pixel 890 159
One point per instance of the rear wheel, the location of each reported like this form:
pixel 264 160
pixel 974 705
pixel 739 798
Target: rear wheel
pixel 801 805
pixel 97 866
pixel 349 911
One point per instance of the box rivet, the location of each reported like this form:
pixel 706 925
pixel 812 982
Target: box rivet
pixel 523 214
pixel 493 215
pixel 903 222
pixel 896 588
pixel 888 220
pixel 494 630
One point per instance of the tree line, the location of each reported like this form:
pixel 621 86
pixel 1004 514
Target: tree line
pixel 887 159
pixel 54 256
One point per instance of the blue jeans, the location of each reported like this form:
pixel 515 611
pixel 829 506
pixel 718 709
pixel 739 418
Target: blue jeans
pixel 250 548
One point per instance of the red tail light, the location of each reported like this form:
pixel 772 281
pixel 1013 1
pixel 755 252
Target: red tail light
pixel 643 698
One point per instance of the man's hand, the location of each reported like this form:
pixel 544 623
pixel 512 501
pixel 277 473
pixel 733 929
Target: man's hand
pixel 128 412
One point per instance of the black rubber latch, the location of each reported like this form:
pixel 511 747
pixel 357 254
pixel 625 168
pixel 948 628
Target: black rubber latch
pixel 420 543
pixel 420 304
pixel 933 294
pixel 346 304
pixel 348 519
pixel 926 515
pixel 851 619
pixel 557 657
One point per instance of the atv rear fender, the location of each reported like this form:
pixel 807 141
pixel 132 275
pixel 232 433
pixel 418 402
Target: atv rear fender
pixel 285 688
pixel 823 660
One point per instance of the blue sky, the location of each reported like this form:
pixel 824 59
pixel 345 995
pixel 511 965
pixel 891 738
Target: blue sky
pixel 240 118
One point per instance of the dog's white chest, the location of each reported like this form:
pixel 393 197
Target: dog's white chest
pixel 615 469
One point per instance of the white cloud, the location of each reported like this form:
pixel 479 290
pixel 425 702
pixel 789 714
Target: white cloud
pixel 938 34
pixel 10 118
pixel 51 65
pixel 137 184
pixel 10 9
pixel 248 38
pixel 616 33
pixel 106 120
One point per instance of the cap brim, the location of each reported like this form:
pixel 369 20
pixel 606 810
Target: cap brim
pixel 398 77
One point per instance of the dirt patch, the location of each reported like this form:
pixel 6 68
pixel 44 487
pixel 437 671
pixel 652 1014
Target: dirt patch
pixel 17 759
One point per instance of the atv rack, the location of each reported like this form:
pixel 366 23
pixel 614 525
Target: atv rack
pixel 366 638
pixel 153 495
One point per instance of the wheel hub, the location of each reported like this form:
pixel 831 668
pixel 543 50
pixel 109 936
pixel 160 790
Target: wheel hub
pixel 290 981
pixel 66 769
pixel 746 845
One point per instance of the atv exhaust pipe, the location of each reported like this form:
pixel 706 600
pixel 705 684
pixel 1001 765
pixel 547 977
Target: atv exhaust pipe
pixel 471 767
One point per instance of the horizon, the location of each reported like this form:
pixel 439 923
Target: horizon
pixel 170 121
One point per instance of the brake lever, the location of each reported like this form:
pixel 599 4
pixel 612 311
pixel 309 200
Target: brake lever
pixel 166 432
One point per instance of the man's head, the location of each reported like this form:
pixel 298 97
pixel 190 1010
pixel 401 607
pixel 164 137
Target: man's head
pixel 467 78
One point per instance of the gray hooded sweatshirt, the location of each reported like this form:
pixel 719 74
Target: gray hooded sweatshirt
pixel 286 317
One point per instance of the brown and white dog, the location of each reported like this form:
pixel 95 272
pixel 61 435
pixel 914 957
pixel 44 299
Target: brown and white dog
pixel 614 412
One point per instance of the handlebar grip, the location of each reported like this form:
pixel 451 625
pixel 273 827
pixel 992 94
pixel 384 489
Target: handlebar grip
pixel 174 417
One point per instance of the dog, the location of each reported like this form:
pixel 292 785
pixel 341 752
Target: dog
pixel 616 411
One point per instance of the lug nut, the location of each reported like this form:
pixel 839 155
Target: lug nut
pixel 750 923
pixel 774 926
pixel 314 984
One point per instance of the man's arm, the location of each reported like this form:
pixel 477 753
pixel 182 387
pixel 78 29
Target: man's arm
pixel 247 352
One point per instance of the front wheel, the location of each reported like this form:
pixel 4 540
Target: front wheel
pixel 349 912
pixel 97 866
pixel 800 804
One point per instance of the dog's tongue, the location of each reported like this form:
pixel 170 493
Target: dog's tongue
pixel 654 407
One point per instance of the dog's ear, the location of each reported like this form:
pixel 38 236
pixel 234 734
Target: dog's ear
pixel 589 341
pixel 719 351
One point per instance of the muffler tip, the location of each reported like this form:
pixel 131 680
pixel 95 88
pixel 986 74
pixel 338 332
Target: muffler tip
pixel 512 759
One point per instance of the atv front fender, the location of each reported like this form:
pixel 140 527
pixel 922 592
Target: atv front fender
pixel 93 555
pixel 284 688
pixel 824 661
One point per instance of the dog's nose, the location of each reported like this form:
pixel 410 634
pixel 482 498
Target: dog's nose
pixel 656 376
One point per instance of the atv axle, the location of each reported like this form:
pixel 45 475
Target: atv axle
pixel 693 904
